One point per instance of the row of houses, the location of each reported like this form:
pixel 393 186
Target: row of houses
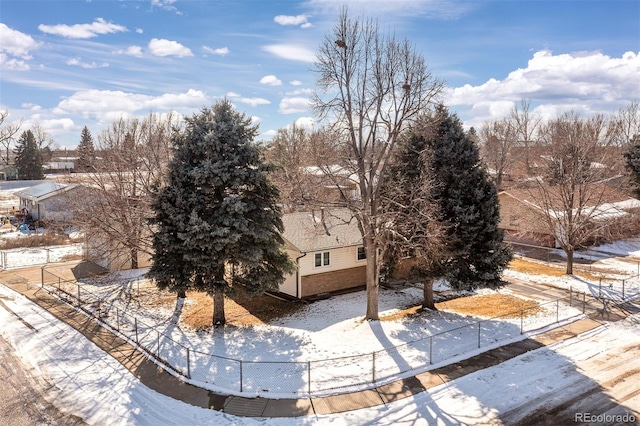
pixel 326 245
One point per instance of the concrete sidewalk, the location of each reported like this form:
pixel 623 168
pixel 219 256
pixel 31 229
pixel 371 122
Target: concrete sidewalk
pixel 27 282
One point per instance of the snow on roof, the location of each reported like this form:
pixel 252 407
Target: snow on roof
pixel 43 190
pixel 321 230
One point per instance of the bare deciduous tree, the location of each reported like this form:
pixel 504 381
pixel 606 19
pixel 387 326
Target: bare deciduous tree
pixel 498 139
pixel 8 133
pixel 371 87
pixel 570 193
pixel 132 157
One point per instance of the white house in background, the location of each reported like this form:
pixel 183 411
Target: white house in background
pixel 46 201
pixel 326 246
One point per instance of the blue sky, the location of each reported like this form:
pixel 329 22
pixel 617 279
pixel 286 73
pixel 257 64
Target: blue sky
pixel 65 64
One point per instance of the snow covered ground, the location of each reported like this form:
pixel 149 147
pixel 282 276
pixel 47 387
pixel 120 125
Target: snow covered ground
pixel 616 262
pixel 91 384
pixel 300 355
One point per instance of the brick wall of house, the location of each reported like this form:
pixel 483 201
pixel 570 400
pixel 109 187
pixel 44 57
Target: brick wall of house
pixel 333 281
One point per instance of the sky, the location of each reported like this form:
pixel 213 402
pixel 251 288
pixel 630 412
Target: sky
pixel 66 64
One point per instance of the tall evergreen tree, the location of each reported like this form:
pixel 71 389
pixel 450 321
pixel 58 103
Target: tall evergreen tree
pixel 217 218
pixel 632 164
pixel 28 157
pixel 469 206
pixel 415 224
pixel 86 151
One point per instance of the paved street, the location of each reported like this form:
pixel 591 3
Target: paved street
pixel 22 393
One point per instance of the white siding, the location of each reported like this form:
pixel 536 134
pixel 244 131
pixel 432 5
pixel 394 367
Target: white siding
pixel 340 258
pixel 290 283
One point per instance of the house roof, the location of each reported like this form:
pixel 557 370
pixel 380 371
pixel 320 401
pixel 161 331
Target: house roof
pixel 321 229
pixel 44 190
pixel 605 203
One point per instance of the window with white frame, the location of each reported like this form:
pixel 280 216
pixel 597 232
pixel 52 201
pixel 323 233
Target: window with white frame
pixel 322 259
pixel 362 255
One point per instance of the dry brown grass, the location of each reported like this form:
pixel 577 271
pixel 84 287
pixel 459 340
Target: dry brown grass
pixel 535 268
pixel 239 310
pixel 489 306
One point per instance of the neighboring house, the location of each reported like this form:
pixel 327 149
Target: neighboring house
pixel 326 246
pixel 60 165
pixel 524 220
pixel 113 256
pixel 46 201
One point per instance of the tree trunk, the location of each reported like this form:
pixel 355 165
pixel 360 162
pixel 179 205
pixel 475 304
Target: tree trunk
pixel 427 299
pixel 134 258
pixel 182 294
pixel 372 274
pixel 218 308
pixel 569 261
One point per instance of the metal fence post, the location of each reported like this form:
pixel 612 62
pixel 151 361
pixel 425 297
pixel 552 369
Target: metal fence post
pixel 79 300
pixel 521 321
pixel 118 320
pixel 135 326
pixel 240 375
pixel 431 349
pixel 623 288
pixel 188 365
pixel 479 322
pixel 600 288
pixel 570 296
pixel 373 367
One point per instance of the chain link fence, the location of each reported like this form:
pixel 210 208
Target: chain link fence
pixel 313 377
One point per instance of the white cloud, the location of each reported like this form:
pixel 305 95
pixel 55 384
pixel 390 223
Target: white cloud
pixel 12 64
pixel 166 5
pixel 293 105
pixel 131 51
pixel 302 91
pixel 301 20
pixel 78 62
pixel 295 83
pixel 16 43
pixel 106 105
pixel 254 102
pixel 291 52
pixel 270 80
pixel 219 51
pixel 306 122
pixel 586 81
pixel 400 9
pixel 99 26
pixel 163 47
pixel 30 106
pixel 139 30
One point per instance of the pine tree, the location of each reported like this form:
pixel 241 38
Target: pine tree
pixel 469 207
pixel 86 151
pixel 413 215
pixel 632 164
pixel 218 223
pixel 28 157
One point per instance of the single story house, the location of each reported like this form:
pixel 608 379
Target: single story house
pixel 326 246
pixel 46 201
pixel 524 220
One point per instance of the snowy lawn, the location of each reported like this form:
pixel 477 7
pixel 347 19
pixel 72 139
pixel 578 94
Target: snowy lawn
pixel 323 348
pixel 91 384
pixel 617 263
